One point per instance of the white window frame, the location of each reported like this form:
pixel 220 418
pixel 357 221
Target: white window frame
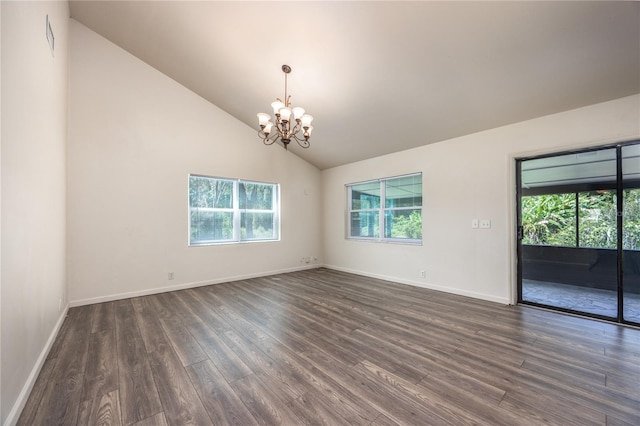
pixel 236 211
pixel 381 210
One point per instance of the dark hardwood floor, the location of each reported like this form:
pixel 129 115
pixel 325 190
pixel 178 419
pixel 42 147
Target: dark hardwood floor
pixel 326 347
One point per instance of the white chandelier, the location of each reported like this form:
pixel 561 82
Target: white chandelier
pixel 301 130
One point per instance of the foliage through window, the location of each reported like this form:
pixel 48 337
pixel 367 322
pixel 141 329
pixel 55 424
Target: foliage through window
pixel 631 222
pixel 231 210
pixel 386 209
pixel 581 219
pixel 549 220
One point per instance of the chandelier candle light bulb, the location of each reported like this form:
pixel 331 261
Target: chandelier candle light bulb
pixel 285 114
pixel 297 112
pixel 276 107
pixel 263 118
pixel 285 129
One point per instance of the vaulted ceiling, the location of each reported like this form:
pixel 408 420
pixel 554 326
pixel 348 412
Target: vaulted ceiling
pixel 381 77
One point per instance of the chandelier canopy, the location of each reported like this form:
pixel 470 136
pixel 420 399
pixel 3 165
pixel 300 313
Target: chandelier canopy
pixel 285 129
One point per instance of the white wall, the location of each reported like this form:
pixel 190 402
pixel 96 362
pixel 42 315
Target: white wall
pixel 465 178
pixel 134 137
pixel 34 135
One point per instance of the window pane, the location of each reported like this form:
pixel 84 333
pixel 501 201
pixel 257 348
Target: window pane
pixel 404 192
pixel 549 220
pixel 598 219
pixel 631 233
pixel 210 192
pixel 256 196
pixel 207 225
pixel 257 226
pixel 365 224
pixel 365 196
pixel 631 222
pixel 405 224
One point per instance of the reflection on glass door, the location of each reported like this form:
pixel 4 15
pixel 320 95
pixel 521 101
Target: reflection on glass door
pixel 631 232
pixel 568 245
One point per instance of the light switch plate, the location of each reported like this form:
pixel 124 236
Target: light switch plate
pixel 485 223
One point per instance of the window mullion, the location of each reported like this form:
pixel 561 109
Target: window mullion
pixel 236 210
pixel 349 211
pixel 577 210
pixel 274 202
pixel 382 232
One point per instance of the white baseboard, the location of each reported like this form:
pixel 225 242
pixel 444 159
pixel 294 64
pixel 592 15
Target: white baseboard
pixel 183 286
pixel 21 401
pixel 459 292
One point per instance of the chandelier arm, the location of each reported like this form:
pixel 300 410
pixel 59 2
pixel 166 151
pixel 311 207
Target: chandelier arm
pixel 268 141
pixel 304 143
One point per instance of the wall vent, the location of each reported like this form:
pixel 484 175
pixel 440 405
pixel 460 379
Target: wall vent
pixel 50 38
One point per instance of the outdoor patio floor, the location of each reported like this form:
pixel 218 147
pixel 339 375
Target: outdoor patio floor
pixel 582 299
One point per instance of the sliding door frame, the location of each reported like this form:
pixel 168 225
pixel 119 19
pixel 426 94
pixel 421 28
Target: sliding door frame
pixel 619 188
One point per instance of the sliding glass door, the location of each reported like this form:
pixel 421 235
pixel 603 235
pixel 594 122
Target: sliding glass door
pixel 572 243
pixel 630 155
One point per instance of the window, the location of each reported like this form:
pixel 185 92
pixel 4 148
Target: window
pixel 231 210
pixel 387 209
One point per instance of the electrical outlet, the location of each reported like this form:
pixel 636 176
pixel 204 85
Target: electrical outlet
pixel 485 223
pixel 170 276
pixel 423 274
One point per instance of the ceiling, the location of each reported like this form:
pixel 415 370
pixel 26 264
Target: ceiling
pixel 385 76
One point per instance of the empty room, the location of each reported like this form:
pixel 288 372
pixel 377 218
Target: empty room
pixel 203 220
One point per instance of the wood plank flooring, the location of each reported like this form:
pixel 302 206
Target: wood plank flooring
pixel 326 347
